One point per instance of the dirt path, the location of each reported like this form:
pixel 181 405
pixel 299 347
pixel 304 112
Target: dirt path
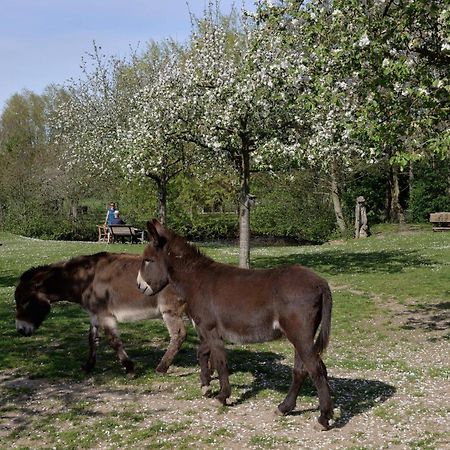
pixel 377 411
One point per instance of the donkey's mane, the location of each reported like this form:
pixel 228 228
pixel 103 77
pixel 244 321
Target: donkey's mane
pixel 188 253
pixel 33 271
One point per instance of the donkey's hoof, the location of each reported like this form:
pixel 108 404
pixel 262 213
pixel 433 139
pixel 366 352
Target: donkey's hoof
pixel 283 410
pixel 321 425
pixel 220 401
pixel 129 368
pixel 280 413
pixel 161 370
pixel 206 391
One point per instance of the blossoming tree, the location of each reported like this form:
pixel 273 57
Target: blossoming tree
pixel 124 117
pixel 232 81
pixel 377 80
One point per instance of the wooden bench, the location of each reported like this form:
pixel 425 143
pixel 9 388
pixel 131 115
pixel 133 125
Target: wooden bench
pixel 125 231
pixel 440 221
pixel 102 233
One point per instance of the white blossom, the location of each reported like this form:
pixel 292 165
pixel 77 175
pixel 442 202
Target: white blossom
pixel 364 41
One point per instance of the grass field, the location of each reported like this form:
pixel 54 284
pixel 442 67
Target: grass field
pixel 388 362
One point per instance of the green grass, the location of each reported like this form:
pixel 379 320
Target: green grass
pixel 391 309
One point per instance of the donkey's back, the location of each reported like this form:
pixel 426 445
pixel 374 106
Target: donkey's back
pixel 228 288
pixel 257 305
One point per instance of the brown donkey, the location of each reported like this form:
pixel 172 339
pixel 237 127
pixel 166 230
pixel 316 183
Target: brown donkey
pixel 104 285
pixel 243 306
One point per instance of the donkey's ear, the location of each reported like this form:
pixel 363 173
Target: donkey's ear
pixel 154 236
pixel 159 228
pixel 152 233
pixel 156 223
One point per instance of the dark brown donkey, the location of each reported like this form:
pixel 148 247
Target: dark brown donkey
pixel 104 285
pixel 242 305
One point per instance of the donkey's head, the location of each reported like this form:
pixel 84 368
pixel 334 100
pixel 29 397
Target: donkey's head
pixel 153 274
pixel 32 306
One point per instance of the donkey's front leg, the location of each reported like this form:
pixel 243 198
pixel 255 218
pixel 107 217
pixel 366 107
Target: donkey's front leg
pixel 177 331
pixel 109 325
pixel 88 367
pixel 203 355
pixel 219 362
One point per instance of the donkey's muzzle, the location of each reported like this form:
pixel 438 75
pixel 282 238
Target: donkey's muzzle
pixel 24 332
pixel 24 328
pixel 143 286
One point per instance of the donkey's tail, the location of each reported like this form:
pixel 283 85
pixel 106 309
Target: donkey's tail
pixel 325 326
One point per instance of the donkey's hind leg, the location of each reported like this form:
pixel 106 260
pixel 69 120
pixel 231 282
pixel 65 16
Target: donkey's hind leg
pixel 299 374
pixel 318 373
pixel 88 367
pixel 311 361
pixel 177 331
pixel 111 332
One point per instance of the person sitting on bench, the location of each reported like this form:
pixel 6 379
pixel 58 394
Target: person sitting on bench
pixel 117 220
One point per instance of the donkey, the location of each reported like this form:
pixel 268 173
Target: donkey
pixel 104 285
pixel 244 306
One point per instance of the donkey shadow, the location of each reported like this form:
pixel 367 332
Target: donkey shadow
pixel 353 396
pixel 268 371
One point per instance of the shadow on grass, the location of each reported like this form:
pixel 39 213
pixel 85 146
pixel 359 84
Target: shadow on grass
pixel 435 317
pixel 339 261
pixel 59 354
pixel 8 281
pixel 72 400
pixel 352 396
pixel 268 372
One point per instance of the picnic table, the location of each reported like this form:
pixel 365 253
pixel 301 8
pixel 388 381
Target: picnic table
pixel 440 221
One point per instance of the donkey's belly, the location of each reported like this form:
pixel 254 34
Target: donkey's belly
pixel 248 336
pixel 130 314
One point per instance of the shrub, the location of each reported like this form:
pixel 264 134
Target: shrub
pixel 206 227
pixel 297 207
pixel 429 191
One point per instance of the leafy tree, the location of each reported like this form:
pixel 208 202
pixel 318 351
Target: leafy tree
pixel 123 118
pixel 23 172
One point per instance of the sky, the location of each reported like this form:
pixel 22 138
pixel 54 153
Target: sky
pixel 42 42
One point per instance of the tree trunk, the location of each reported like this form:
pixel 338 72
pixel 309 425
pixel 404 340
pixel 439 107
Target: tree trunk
pixel 448 174
pixel 73 210
pixel 244 212
pixel 394 210
pixel 448 185
pixel 410 180
pixel 161 184
pixel 162 199
pixel 336 199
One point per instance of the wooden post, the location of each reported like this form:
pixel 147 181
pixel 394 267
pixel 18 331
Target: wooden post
pixel 361 225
